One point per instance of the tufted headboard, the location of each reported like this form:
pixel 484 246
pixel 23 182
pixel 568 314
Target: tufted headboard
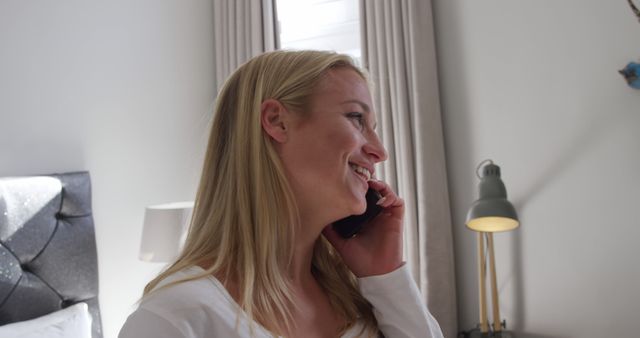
pixel 48 257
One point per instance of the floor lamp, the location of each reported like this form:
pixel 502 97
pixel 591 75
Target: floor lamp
pixel 492 212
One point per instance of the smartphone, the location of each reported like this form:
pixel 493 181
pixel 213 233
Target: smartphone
pixel 349 226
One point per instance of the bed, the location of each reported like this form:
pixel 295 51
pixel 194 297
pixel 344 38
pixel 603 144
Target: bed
pixel 48 259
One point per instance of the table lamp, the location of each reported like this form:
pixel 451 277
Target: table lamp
pixel 163 231
pixel 490 213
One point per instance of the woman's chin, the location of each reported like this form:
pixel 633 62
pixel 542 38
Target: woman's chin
pixel 359 208
pixel 356 204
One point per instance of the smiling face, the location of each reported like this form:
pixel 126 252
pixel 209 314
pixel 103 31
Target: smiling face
pixel 331 149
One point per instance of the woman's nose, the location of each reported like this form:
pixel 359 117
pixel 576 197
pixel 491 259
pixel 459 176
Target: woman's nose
pixel 375 148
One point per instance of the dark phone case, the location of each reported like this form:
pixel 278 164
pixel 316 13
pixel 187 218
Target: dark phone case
pixel 349 226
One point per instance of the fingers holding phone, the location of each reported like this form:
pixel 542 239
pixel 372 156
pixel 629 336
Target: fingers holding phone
pixel 389 201
pixel 371 244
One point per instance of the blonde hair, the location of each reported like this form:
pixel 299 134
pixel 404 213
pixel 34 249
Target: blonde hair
pixel 245 215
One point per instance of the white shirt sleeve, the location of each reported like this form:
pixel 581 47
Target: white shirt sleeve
pixel 146 324
pixel 398 306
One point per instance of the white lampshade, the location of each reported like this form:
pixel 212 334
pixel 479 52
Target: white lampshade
pixel 163 231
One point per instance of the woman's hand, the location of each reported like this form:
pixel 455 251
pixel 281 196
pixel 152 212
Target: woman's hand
pixel 377 248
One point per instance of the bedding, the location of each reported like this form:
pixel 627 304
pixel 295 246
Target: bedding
pixel 48 258
pixel 71 322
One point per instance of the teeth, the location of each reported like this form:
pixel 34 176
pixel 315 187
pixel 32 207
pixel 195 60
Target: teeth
pixel 362 171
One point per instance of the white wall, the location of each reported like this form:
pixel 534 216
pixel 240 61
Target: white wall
pixel 122 89
pixel 534 86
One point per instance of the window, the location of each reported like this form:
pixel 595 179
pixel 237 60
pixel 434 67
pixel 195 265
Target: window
pixel 320 24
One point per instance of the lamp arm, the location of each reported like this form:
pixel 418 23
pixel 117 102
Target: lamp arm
pixel 635 9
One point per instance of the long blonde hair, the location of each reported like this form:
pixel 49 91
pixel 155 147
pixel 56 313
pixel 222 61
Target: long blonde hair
pixel 245 215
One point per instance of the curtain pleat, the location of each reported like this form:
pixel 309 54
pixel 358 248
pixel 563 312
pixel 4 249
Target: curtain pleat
pixel 242 30
pixel 399 52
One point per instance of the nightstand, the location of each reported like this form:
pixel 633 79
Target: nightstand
pixel 475 333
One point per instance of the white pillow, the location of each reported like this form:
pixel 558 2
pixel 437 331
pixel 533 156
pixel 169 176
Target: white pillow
pixel 71 322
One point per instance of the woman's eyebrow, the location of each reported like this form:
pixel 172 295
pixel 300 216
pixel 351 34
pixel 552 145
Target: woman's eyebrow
pixel 363 105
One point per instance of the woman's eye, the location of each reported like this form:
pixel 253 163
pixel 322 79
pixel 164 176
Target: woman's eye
pixel 358 118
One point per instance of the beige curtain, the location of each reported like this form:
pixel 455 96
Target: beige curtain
pixel 242 29
pixel 399 52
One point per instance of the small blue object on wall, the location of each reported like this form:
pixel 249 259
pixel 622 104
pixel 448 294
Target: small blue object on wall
pixel 631 73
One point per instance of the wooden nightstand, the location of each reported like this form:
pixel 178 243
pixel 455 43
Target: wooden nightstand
pixel 475 333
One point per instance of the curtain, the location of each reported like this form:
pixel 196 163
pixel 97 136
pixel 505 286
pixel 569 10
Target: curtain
pixel 399 52
pixel 242 30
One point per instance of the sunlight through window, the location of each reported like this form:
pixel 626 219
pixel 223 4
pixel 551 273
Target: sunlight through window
pixel 320 24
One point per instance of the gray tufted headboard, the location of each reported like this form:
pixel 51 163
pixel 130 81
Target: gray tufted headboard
pixel 48 257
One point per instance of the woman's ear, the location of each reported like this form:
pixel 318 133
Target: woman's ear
pixel 274 118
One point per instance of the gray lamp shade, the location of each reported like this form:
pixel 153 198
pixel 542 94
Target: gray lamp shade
pixel 492 212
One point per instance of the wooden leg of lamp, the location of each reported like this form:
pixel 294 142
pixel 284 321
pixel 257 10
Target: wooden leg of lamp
pixel 497 326
pixel 482 290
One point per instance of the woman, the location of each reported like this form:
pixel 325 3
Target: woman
pixel 292 150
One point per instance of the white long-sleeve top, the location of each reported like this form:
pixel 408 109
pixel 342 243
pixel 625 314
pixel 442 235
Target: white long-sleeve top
pixel 203 308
